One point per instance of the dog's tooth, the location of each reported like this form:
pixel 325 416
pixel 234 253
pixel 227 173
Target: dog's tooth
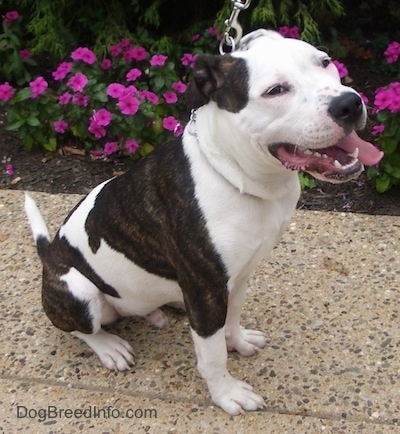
pixel 324 156
pixel 354 154
pixel 307 152
pixel 337 164
pixel 317 154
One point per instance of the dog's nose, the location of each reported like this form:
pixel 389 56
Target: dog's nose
pixel 346 108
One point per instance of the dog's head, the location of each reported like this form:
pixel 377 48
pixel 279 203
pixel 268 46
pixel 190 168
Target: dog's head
pixel 288 97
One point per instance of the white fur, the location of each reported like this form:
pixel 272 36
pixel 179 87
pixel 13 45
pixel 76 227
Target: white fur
pixel 36 221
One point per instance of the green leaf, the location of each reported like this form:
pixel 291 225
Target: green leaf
pixel 33 122
pixel 391 129
pixel 388 144
pixel 51 145
pixel 80 130
pixel 15 125
pixel 100 96
pixel 159 83
pixel 22 95
pixel 382 184
pixel 28 142
pixel 146 149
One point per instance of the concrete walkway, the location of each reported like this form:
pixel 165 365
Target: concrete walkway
pixel 328 299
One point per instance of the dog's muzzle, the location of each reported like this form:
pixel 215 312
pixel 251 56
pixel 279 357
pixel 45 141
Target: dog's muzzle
pixel 343 160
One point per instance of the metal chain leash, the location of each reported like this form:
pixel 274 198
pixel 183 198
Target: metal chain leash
pixel 232 23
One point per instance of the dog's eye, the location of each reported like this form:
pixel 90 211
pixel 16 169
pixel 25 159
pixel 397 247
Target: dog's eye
pixel 326 62
pixel 275 90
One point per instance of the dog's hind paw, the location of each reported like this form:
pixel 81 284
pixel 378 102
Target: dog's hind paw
pixel 157 318
pixel 237 398
pixel 115 353
pixel 245 342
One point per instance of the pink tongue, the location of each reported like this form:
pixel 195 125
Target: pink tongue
pixel 368 154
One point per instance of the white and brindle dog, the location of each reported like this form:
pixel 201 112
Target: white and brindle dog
pixel 190 222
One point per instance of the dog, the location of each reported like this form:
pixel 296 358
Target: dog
pixel 188 224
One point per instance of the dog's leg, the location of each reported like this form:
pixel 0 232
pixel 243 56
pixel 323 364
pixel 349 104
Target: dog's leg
pixel 245 342
pixel 82 298
pixel 232 395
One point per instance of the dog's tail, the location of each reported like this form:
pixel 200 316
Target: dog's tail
pixel 38 225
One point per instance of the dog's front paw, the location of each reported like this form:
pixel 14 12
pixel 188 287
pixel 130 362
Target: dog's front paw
pixel 245 342
pixel 115 353
pixel 236 397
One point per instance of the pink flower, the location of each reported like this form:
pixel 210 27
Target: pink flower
pixel 105 64
pixel 110 148
pixel 84 54
pixel 178 131
pixel 6 91
pixel 132 146
pixel 378 129
pixel 392 52
pixel 179 87
pixel 170 123
pixel 10 171
pixel 294 32
pixel 343 72
pixel 81 100
pixel 213 31
pixel 12 16
pixel 395 104
pixel 128 105
pixel 290 32
pixel 383 98
pixel 170 97
pixel 139 53
pixel 102 117
pixel 96 130
pixel 25 54
pixel 60 126
pixel 77 82
pixel 115 50
pixel 129 55
pixel 195 37
pixel 284 30
pixel 38 86
pixel 158 60
pixel 133 74
pixel 125 43
pixel 62 70
pixel 188 59
pixel 65 98
pixel 149 96
pixel 130 90
pixel 115 90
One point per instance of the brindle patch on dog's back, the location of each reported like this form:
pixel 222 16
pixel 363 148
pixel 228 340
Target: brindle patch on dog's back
pixel 147 214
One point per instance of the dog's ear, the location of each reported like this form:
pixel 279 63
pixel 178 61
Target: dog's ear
pixel 223 79
pixel 249 40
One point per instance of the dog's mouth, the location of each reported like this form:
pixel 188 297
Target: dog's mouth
pixel 340 162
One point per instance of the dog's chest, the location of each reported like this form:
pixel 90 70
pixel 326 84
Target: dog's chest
pixel 243 228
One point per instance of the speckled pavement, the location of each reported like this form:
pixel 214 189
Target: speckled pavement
pixel 328 299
